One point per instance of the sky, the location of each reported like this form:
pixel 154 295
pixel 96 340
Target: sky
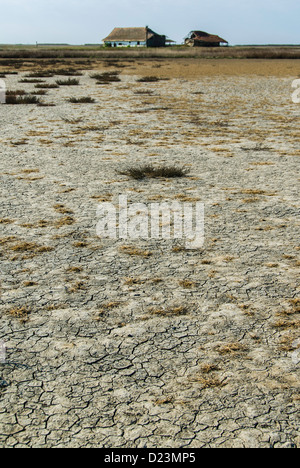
pixel 89 21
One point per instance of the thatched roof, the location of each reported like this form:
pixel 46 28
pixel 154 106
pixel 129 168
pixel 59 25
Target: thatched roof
pixel 129 34
pixel 205 37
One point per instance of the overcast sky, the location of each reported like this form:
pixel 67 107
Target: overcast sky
pixel 89 21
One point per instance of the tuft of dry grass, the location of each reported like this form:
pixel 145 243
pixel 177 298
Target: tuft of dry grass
pixel 6 221
pixel 40 74
pixel 80 244
pixel 130 250
pixel 21 313
pixel 156 280
pixel 42 223
pixel 231 349
pixel 246 309
pixel 165 401
pixel 92 128
pixel 258 147
pixel 187 284
pixel 288 343
pixel 150 79
pixel 32 81
pixel 41 92
pixel 295 302
pixel 186 198
pixel 69 82
pixel 107 77
pixel 64 221
pixel 251 200
pixel 65 72
pixel 150 171
pixel 74 270
pixel 19 100
pixel 105 308
pixel 207 368
pixel 178 248
pixel 24 141
pixel 132 281
pixel 15 92
pixel 62 209
pixel 81 100
pixel 32 247
pixel 262 163
pixel 253 192
pixel 71 121
pixel 47 86
pixel 209 382
pixel 172 311
pixel 285 324
pixel 77 286
pixel 29 284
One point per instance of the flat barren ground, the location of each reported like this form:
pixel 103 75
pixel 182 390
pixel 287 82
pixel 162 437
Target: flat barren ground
pixel 144 343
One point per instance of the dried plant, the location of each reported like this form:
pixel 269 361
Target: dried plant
pixel 150 171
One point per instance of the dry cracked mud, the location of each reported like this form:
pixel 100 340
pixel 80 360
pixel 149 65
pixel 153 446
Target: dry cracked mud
pixel 155 345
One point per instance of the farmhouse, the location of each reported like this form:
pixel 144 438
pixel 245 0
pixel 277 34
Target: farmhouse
pixel 134 37
pixel 203 39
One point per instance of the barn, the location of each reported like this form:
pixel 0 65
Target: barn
pixel 203 39
pixel 134 37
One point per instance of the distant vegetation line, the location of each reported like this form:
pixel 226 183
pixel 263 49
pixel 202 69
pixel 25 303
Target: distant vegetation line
pixel 264 52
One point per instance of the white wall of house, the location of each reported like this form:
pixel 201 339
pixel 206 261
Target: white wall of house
pixel 128 44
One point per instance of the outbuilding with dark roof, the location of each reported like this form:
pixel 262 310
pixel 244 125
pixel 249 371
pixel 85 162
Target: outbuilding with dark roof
pixel 203 39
